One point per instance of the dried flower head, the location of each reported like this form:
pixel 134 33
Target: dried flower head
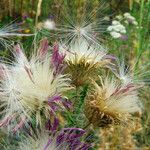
pixel 111 103
pixel 66 139
pixel 83 61
pixel 29 89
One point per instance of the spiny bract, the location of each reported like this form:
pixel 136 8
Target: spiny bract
pixel 83 61
pixel 111 103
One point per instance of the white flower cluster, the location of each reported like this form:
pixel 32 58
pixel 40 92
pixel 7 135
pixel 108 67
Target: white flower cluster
pixel 130 19
pixel 116 29
pixel 127 18
pixel 119 17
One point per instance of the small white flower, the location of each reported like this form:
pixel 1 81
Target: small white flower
pixel 126 22
pixel 110 28
pixel 115 22
pixel 119 17
pixel 131 18
pixel 115 34
pixel 119 28
pixel 116 29
pixel 49 24
pixel 126 14
pixel 123 31
pixel 135 23
pixel 139 27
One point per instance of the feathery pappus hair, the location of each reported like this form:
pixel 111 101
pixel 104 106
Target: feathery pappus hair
pixel 83 61
pixel 83 31
pixel 9 31
pixel 83 26
pixel 66 139
pixel 30 88
pixel 139 77
pixel 111 102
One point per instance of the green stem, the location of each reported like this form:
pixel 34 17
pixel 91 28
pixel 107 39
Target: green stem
pixel 139 49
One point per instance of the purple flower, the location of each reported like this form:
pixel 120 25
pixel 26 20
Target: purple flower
pixel 24 17
pixel 57 60
pixel 43 49
pixel 52 126
pixel 71 138
pixel 111 57
pixel 56 102
pixel 58 99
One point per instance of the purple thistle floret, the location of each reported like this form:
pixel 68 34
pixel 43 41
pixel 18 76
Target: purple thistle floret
pixel 54 103
pixel 47 145
pixel 70 137
pixel 67 104
pixel 52 126
pixel 43 49
pixel 111 57
pixel 69 134
pixel 57 60
pixel 56 100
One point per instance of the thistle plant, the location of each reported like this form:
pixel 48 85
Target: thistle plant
pixel 111 102
pixel 36 91
pixel 29 89
pixel 83 61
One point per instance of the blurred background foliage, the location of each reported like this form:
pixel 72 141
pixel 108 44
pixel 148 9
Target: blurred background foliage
pixel 135 49
pixel 17 8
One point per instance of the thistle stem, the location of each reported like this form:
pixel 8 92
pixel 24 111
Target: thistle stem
pixel 76 96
